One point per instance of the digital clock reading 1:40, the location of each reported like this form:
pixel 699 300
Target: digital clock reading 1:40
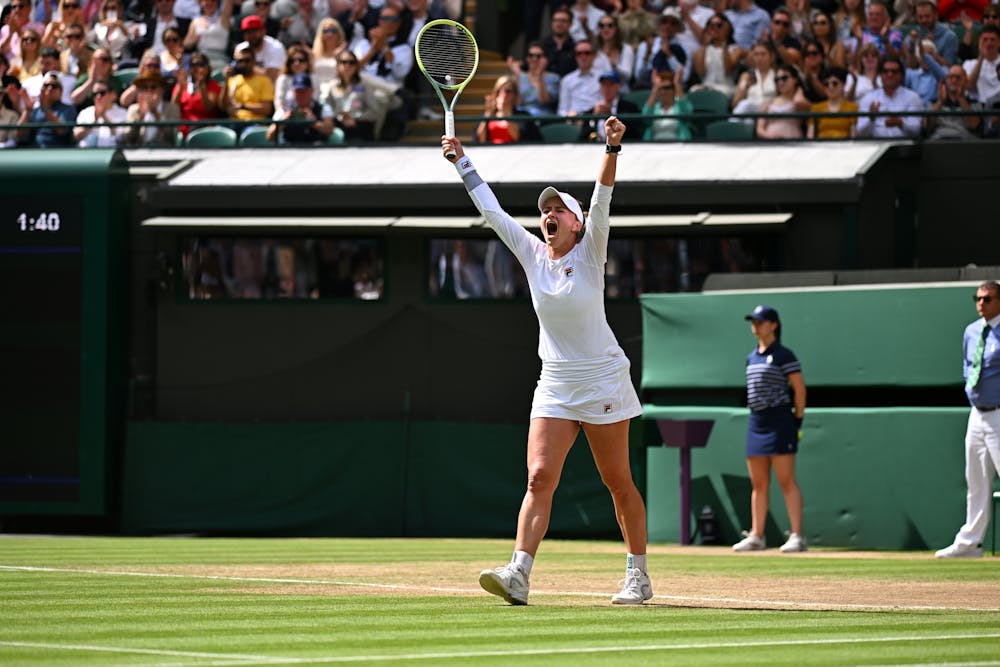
pixel 45 222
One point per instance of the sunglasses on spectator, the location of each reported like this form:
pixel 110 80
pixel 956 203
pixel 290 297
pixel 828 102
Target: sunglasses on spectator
pixel 29 40
pixel 243 61
pixel 984 299
pixel 51 85
pixel 103 58
pixel 100 93
pixel 987 17
pixel 300 60
pixel 388 17
pixel 602 24
pixel 199 63
pixel 813 53
pixel 345 61
pixel 715 24
pixel 585 53
pixel 536 55
pixel 74 35
pixel 820 22
pixel 781 79
pixel 71 5
pixel 148 86
pixel 833 83
pixel 891 70
pixel 666 87
pixel 779 22
pixel 560 19
pixel 330 31
pixel 171 40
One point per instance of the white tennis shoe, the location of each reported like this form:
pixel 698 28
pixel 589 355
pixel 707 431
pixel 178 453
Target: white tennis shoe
pixel 959 551
pixel 795 544
pixel 636 588
pixel 509 582
pixel 750 543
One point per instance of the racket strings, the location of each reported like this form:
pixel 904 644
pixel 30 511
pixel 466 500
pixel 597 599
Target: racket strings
pixel 448 55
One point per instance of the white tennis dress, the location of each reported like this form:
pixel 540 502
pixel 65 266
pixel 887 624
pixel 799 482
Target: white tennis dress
pixel 585 373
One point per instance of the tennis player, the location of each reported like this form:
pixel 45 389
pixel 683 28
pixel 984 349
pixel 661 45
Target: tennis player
pixel 585 380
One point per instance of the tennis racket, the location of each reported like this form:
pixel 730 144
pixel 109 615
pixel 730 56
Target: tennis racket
pixel 448 56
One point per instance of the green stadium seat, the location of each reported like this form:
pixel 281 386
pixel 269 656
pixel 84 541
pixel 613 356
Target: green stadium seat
pixel 724 130
pixel 124 76
pixel 336 137
pixel 637 97
pixel 213 135
pixel 256 136
pixel 560 133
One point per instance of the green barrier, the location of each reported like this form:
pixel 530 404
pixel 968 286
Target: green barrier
pixel 349 479
pixel 889 478
pixel 844 337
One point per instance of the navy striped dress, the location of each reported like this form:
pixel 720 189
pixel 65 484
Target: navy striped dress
pixel 772 428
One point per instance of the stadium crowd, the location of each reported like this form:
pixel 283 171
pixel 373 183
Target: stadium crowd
pixel 124 70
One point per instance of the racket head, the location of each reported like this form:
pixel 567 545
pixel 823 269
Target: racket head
pixel 447 54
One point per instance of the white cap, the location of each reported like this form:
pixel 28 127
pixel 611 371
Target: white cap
pixel 567 199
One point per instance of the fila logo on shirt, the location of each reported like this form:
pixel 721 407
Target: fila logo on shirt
pixel 607 408
pixel 569 271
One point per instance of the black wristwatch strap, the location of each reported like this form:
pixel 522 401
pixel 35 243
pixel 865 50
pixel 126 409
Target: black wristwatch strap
pixel 613 150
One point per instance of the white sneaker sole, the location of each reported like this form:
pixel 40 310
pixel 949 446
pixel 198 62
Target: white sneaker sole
pixel 628 601
pixel 490 582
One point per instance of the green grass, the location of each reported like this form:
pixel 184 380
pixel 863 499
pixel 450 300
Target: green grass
pixel 225 606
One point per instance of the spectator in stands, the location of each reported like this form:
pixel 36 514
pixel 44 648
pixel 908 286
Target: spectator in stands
pixel 789 99
pixel 28 61
pixel 636 23
pixel 585 19
pixel 756 86
pixel 110 30
pixel 951 11
pixel 904 13
pixel 100 69
pixel 19 24
pixel 49 108
pixel 865 76
pixel 262 10
pixel 666 99
pixel 301 27
pixel 812 69
pixel 559 45
pixel 983 81
pixel 611 103
pixel 787 49
pixel 327 45
pixel 923 72
pixel 968 48
pixel 800 13
pixel 538 88
pixel 150 64
pixel 577 337
pixel 150 107
pixel 5 66
pixel 249 94
pixel 717 62
pixel 357 19
pixel 104 110
pixel 749 22
pixel 620 56
pixel 663 52
pixel 297 62
pixel 822 28
pixel 75 58
pixel 304 107
pixel 501 107
pixel 15 105
pixel 945 40
pixel 386 54
pixel 209 32
pixel 580 89
pixel 835 80
pixel 150 35
pixel 953 96
pixel 172 55
pixel 196 94
pixel 532 11
pixel 70 13
pixel 849 19
pixel 50 64
pixel 776 395
pixel 981 369
pixel 879 31
pixel 267 51
pixel 357 105
pixel 891 97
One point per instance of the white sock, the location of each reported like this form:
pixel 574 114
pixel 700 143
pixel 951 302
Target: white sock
pixel 523 560
pixel 633 561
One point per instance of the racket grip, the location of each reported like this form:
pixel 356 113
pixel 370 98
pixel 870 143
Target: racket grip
pixel 449 129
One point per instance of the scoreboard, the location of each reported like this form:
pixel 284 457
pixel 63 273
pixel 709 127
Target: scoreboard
pixel 63 222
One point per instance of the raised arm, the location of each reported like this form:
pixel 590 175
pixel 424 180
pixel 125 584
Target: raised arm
pixel 615 130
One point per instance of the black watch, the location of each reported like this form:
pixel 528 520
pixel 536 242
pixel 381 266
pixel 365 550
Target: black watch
pixel 613 150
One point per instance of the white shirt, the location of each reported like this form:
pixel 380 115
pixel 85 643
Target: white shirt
pixel 594 16
pixel 271 55
pixel 987 86
pixel 187 9
pixel 34 86
pixel 103 137
pixel 902 100
pixel 700 14
pixel 567 293
pixel 402 61
pixel 578 92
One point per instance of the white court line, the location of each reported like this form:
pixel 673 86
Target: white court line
pixel 457 655
pixel 243 659
pixel 444 589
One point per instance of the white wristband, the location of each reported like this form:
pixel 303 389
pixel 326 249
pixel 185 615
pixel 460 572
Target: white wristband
pixel 464 166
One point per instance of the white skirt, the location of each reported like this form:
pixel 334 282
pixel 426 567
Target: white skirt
pixel 595 391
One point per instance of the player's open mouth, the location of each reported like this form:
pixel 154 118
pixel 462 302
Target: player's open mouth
pixel 551 228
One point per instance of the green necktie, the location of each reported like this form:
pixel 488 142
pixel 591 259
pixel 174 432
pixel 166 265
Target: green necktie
pixel 977 358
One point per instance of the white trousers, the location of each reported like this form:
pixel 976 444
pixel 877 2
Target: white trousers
pixel 982 465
